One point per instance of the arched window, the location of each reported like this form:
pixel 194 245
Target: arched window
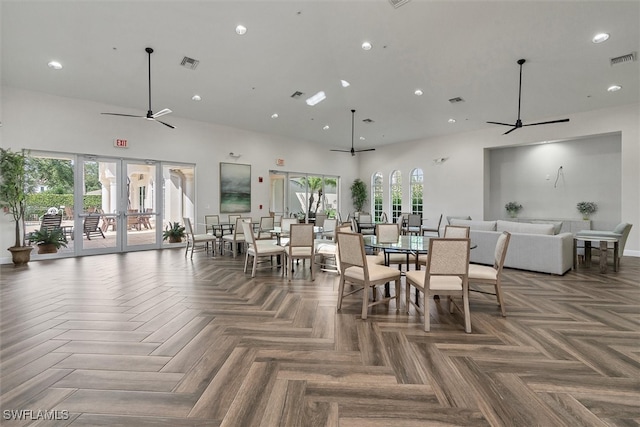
pixel 396 195
pixel 376 195
pixel 417 180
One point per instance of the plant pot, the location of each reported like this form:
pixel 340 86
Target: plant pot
pixel 175 239
pixel 513 214
pixel 21 254
pixel 48 248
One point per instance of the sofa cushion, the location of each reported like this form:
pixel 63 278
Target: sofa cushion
pixel 475 225
pixel 524 227
pixel 557 225
pixel 449 218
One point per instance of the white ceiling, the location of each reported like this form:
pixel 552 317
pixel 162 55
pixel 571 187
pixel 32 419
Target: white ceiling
pixel 448 49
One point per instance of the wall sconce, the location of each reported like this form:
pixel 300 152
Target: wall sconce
pixel 234 155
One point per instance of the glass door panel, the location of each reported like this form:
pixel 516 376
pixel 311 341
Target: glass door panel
pixel 97 224
pixel 141 212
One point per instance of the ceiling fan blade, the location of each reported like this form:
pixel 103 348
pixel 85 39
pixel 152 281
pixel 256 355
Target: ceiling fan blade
pixel 161 113
pixel 546 123
pixel 510 130
pixel 118 114
pixel 342 151
pixel 164 123
pixel 499 123
pixel 365 149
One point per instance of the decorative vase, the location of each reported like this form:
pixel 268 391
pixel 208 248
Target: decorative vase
pixel 21 255
pixel 48 248
pixel 513 214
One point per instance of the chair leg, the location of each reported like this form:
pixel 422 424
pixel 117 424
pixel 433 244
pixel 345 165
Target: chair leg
pixel 246 261
pixel 255 265
pixel 500 298
pixel 426 308
pixel 193 246
pixel 467 312
pixel 340 291
pixel 407 295
pixel 365 301
pixel 397 283
pixel 186 250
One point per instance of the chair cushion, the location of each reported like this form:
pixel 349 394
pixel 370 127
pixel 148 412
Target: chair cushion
pixel 557 225
pixel 297 251
pixel 377 273
pixel 398 258
pixel 203 237
pixel 416 277
pixel 482 272
pixel 375 259
pixel 445 283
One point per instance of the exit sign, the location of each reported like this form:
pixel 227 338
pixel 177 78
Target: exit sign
pixel 121 143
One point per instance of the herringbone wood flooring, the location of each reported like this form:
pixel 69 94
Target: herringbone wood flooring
pixel 153 338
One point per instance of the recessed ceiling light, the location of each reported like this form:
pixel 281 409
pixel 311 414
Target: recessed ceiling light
pixel 241 30
pixel 345 83
pixel 274 116
pixel 418 92
pixel 452 120
pixel 325 127
pixel 366 46
pixel 55 65
pixel 318 97
pixel 599 38
pixel 614 88
pixel 196 98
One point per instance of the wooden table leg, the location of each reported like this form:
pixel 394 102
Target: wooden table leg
pixel 603 256
pixel 587 253
pixel 616 256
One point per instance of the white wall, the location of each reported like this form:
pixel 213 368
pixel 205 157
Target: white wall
pixel 458 186
pixel 531 175
pixel 38 121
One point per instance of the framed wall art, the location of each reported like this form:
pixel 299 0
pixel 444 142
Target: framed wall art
pixel 235 188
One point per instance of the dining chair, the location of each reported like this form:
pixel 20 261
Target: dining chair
pixel 456 231
pixel 325 247
pixel 356 270
pixel 300 246
pixel 491 275
pixel 260 249
pixel 431 229
pixel 329 228
pixel 390 233
pixel 266 225
pixel 277 220
pixel 232 219
pixel 210 221
pixel 447 274
pixel 194 239
pixel 413 224
pixel 235 239
pixel 320 219
pixel 384 218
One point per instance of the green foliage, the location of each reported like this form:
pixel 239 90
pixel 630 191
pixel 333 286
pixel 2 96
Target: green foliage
pixel 359 194
pixel 587 208
pixel 38 203
pixel 14 187
pixel 513 207
pixel 56 174
pixel 173 230
pixel 46 236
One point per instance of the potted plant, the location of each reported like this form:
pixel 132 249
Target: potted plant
pixel 174 232
pixel 14 189
pixel 513 208
pixel 586 209
pixel 359 194
pixel 49 240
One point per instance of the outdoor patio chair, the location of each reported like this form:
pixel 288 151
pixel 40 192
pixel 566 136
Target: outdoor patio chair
pixel 49 222
pixel 90 226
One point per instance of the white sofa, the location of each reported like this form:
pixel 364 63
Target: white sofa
pixel 534 247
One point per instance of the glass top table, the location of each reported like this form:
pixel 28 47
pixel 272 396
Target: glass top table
pixel 416 244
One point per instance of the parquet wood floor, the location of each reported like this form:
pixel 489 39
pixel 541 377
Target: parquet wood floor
pixel 155 339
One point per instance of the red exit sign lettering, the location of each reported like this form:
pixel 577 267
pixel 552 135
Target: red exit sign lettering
pixel 121 143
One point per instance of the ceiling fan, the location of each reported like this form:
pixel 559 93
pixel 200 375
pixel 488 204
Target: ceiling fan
pixel 150 115
pixel 354 151
pixel 518 123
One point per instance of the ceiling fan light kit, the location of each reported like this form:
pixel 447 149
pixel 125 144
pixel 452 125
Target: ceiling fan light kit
pixel 353 151
pixel 519 123
pixel 150 115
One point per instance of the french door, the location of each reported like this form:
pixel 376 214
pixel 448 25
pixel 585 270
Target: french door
pixel 125 201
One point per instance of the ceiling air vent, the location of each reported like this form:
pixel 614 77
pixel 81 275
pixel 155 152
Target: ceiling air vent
pixel 629 57
pixel 456 100
pixel 189 63
pixel 398 3
pixel 368 121
pixel 297 94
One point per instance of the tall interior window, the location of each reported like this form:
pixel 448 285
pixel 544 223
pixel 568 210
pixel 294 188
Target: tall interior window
pixel 417 180
pixel 396 195
pixel 376 194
